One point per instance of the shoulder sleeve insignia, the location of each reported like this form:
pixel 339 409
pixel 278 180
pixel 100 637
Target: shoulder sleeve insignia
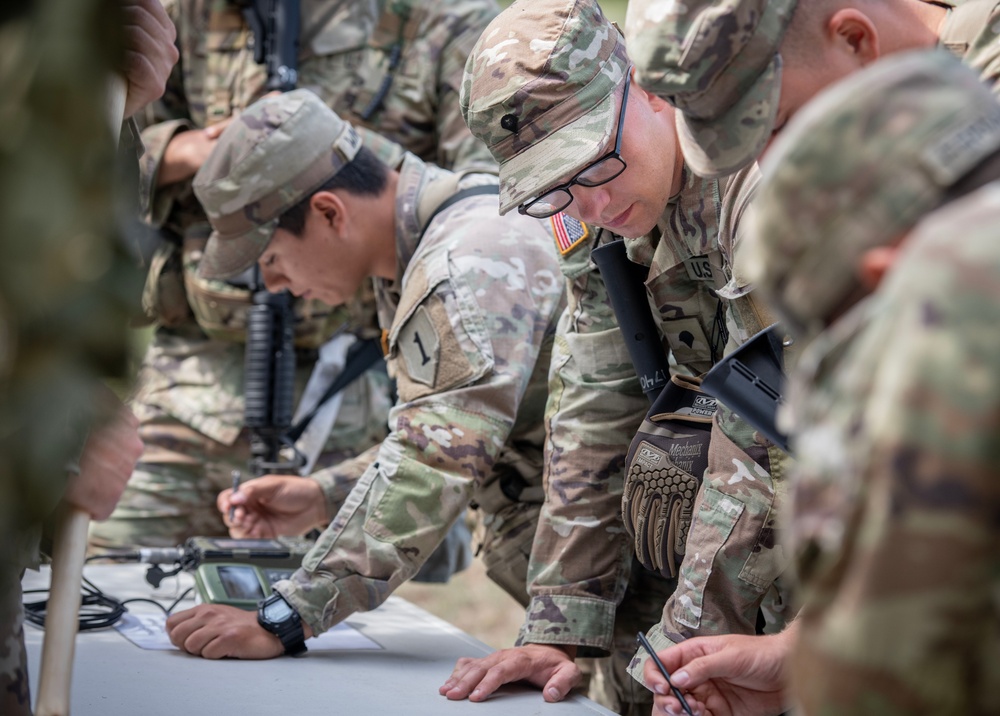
pixel 420 347
pixel 568 232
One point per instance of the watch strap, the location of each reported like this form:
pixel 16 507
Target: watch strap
pixel 289 630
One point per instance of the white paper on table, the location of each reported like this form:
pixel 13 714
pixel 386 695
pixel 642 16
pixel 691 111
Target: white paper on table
pixel 149 631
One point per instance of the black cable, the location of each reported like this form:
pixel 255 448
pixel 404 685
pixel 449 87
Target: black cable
pixel 97 609
pixel 166 610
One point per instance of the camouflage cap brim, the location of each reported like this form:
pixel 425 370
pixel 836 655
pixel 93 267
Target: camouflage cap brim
pixel 559 156
pixel 733 140
pixel 226 258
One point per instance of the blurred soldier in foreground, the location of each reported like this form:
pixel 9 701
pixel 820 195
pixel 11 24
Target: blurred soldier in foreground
pixel 467 302
pixel 549 88
pixel 67 286
pixel 896 405
pixel 393 66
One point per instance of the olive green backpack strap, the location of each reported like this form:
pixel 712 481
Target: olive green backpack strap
pixel 479 190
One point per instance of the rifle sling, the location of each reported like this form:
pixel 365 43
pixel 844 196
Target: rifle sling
pixel 360 357
pixel 458 196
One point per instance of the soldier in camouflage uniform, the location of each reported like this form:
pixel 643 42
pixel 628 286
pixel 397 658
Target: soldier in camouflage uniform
pixel 737 70
pixel 393 66
pixel 468 304
pixel 785 52
pixel 560 69
pixel 67 286
pixel 895 404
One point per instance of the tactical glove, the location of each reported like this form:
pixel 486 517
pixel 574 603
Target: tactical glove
pixel 664 469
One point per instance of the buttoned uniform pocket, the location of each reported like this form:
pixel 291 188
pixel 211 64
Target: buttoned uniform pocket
pixel 733 552
pixel 163 298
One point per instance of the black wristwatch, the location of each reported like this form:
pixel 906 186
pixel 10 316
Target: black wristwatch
pixel 280 618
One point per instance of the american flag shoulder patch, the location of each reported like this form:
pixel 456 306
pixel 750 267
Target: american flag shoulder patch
pixel 568 232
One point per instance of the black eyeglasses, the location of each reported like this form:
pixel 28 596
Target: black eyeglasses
pixel 598 172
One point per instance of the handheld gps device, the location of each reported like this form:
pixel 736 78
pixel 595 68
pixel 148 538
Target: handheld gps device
pixel 240 572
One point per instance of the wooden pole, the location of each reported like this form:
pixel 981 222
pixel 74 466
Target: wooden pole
pixel 69 554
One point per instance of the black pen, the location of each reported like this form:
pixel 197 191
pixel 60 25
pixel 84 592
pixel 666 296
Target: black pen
pixel 236 486
pixel 644 642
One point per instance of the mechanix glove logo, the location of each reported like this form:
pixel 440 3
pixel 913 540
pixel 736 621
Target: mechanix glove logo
pixel 665 464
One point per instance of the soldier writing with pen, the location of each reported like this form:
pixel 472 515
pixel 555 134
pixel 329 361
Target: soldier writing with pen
pixel 468 303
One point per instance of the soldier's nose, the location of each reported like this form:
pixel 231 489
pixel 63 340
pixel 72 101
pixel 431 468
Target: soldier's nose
pixel 588 203
pixel 274 280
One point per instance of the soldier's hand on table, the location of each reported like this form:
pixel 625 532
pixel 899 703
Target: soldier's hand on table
pixel 549 667
pixel 274 505
pixel 723 675
pixel 216 631
pixel 108 458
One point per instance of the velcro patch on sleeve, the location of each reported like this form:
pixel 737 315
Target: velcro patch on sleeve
pixel 568 232
pixel 431 350
pixel 420 347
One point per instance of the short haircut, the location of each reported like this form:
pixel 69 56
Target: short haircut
pixel 809 22
pixel 365 175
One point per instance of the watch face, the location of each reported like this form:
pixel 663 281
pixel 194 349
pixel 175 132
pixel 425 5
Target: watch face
pixel 277 611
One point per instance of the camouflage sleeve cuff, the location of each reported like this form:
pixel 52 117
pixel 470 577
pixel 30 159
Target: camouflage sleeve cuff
pixel 659 640
pixel 337 482
pixel 585 622
pixel 310 613
pixel 156 203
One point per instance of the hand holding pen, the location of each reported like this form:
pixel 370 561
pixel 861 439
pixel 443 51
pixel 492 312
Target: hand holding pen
pixel 641 638
pixel 724 674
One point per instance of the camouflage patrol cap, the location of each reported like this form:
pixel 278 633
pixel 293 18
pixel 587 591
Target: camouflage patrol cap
pixel 540 90
pixel 718 63
pixel 278 151
pixel 857 169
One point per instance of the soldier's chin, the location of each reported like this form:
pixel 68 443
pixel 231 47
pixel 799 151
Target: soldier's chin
pixel 630 233
pixel 635 225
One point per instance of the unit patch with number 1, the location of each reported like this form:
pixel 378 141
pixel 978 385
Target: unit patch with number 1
pixel 420 347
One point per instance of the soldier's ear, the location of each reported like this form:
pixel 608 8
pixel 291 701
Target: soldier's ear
pixel 330 207
pixel 656 104
pixel 854 32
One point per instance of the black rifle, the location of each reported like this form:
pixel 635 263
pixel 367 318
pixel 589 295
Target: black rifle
pixel 750 381
pixel 275 27
pixel 270 351
pixel 626 282
pixel 269 381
